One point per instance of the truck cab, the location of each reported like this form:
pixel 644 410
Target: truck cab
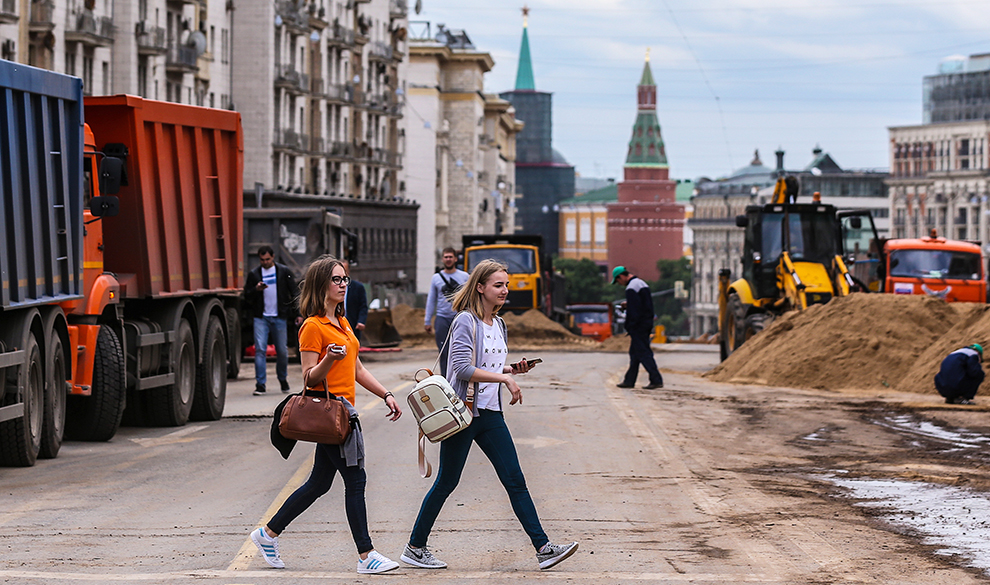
pixel 951 270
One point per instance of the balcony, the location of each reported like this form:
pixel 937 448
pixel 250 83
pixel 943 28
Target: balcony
pixel 317 145
pixel 181 59
pixel 398 9
pixel 340 36
pixel 288 139
pixel 293 17
pixel 85 28
pixel 340 150
pixel 8 12
pixel 382 156
pixel 379 51
pixel 287 77
pixel 150 39
pixel 42 13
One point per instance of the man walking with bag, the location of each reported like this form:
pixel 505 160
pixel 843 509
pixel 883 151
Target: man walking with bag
pixel 639 325
pixel 445 283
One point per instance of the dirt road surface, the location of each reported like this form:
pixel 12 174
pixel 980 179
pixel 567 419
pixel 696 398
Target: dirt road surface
pixel 698 483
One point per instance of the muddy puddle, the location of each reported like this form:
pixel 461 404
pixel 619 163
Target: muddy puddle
pixel 955 520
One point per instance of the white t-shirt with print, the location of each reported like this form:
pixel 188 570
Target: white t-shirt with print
pixel 271 293
pixel 494 353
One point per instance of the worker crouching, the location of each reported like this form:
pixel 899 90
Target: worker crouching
pixel 961 374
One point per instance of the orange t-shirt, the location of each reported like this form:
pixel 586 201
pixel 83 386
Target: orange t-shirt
pixel 315 334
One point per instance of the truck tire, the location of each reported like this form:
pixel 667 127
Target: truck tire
pixel 169 406
pixel 97 417
pixel 20 438
pixel 756 323
pixel 53 426
pixel 211 378
pixel 233 344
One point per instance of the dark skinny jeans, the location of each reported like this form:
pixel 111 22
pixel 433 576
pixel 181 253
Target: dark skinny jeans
pixel 326 465
pixel 489 431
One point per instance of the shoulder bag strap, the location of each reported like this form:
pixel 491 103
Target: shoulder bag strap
pixel 436 364
pixel 472 388
pixel 425 469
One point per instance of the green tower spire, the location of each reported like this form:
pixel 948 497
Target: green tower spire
pixel 646 147
pixel 524 76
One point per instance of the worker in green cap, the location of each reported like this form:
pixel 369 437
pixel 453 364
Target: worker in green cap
pixel 639 326
pixel 961 374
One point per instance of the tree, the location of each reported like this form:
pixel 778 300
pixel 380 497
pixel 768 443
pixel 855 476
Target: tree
pixel 585 283
pixel 670 311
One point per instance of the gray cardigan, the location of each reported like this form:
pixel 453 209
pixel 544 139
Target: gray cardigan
pixel 467 336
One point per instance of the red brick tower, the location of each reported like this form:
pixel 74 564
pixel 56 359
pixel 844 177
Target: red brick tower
pixel 645 224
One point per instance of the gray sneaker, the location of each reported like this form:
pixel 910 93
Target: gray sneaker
pixel 422 558
pixel 551 553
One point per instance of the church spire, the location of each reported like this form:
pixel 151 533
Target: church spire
pixel 524 75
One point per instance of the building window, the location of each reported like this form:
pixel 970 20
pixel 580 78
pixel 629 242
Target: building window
pixel 600 230
pixel 570 230
pixel 586 230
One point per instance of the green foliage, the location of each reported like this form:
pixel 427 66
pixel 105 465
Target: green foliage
pixel 670 311
pixel 585 282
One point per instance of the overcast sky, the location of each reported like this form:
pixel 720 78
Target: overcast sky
pixel 732 75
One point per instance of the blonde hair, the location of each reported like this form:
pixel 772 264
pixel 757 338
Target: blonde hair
pixel 313 292
pixel 468 298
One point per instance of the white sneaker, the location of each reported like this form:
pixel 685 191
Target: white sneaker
pixel 376 563
pixel 268 547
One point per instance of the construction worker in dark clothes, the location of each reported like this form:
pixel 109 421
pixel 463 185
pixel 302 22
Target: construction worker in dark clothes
pixel 639 325
pixel 961 374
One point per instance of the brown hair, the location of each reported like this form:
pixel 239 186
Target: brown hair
pixel 468 298
pixel 450 250
pixel 313 295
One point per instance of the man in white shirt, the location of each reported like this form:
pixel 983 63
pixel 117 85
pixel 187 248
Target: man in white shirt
pixel 442 287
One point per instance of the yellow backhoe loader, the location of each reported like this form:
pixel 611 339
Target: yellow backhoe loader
pixel 793 257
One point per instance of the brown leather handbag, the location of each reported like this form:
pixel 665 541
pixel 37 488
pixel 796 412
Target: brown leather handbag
pixel 316 419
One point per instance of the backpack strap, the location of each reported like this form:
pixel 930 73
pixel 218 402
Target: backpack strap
pixel 425 469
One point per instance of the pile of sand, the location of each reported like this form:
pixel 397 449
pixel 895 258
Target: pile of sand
pixel 863 341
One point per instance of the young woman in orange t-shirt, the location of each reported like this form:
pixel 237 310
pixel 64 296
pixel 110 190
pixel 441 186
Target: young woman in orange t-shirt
pixel 328 350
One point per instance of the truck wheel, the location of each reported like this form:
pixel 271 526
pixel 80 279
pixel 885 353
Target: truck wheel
pixel 233 344
pixel 53 427
pixel 97 417
pixel 211 378
pixel 20 438
pixel 169 406
pixel 756 323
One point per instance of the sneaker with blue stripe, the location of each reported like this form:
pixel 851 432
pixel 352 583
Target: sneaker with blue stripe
pixel 268 547
pixel 376 563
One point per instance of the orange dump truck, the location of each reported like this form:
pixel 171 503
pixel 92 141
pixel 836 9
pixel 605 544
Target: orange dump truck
pixel 121 265
pixel 948 269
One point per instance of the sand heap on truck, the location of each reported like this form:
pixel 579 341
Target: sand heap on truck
pixel 862 341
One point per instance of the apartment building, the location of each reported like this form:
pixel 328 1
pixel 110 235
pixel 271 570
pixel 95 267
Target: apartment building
pixel 466 135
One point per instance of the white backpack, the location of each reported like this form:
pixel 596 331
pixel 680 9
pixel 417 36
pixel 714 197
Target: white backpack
pixel 438 411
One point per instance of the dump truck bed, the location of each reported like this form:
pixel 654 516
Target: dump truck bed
pixel 180 226
pixel 41 144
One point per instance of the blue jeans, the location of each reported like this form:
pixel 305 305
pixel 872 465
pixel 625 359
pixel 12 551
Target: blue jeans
pixel 278 329
pixel 489 431
pixel 326 465
pixel 441 327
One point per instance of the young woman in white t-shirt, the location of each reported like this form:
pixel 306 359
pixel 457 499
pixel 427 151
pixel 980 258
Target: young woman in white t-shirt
pixel 478 332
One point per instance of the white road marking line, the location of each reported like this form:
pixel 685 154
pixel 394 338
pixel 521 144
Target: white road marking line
pixel 539 442
pixel 275 575
pixel 395 392
pixel 174 437
pixel 242 560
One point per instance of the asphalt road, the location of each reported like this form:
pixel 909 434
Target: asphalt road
pixel 696 483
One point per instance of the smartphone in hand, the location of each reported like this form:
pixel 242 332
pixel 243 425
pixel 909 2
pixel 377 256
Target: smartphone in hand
pixel 336 349
pixel 530 363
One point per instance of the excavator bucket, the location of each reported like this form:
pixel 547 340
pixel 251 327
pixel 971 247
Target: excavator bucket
pixel 379 331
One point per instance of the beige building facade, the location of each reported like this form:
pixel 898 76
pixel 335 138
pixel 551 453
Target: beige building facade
pixel 461 145
pixel 318 85
pixel 170 50
pixel 940 179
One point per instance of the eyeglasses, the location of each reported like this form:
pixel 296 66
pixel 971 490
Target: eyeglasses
pixel 340 280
